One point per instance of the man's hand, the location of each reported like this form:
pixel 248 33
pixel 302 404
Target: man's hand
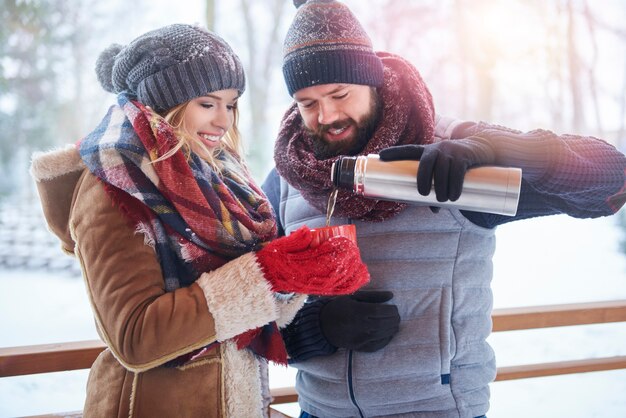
pixel 443 162
pixel 361 321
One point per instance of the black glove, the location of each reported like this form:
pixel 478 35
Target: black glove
pixel 361 321
pixel 446 162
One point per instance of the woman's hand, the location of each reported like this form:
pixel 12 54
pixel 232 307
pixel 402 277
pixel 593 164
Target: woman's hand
pixel 292 264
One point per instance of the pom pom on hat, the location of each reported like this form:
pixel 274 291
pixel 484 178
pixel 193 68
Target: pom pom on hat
pixel 104 66
pixel 326 44
pixel 171 65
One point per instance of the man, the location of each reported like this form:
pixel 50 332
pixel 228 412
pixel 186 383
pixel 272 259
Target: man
pixel 413 344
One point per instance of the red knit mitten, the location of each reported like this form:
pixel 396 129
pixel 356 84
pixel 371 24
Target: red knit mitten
pixel 334 267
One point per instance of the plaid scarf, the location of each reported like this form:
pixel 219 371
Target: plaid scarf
pixel 196 219
pixel 408 118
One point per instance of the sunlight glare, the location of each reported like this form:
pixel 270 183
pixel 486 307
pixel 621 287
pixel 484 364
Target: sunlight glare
pixel 506 26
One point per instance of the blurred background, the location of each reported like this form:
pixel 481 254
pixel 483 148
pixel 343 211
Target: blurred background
pixel 551 64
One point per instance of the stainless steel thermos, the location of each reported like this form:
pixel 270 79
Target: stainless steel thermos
pixel 485 189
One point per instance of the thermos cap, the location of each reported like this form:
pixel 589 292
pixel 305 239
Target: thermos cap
pixel 342 172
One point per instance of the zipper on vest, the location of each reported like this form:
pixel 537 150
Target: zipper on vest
pixel 350 387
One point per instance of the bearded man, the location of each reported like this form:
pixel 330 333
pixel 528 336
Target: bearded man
pixel 413 343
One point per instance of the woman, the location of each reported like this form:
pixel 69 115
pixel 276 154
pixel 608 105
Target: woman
pixel 187 290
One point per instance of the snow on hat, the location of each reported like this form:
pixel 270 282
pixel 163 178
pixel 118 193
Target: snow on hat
pixel 171 65
pixel 326 44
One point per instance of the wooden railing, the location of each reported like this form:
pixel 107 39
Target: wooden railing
pixel 46 358
pixel 515 319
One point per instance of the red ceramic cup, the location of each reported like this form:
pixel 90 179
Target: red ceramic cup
pixel 323 233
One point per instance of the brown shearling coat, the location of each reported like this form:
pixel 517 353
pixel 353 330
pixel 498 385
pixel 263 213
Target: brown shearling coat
pixel 142 325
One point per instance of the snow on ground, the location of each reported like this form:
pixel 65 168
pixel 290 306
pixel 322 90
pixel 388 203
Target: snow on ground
pixel 545 261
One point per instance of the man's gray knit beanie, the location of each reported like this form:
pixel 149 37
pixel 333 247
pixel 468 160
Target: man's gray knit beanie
pixel 326 44
pixel 171 65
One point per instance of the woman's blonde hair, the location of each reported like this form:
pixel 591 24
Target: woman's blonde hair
pixel 230 142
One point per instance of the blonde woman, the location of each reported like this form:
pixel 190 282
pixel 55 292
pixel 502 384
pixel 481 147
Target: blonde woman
pixel 177 243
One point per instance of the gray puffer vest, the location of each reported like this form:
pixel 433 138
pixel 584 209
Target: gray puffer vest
pixel 439 268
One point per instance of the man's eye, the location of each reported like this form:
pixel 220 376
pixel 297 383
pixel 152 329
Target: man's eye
pixel 341 96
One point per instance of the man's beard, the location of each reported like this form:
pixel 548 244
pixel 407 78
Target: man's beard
pixel 323 149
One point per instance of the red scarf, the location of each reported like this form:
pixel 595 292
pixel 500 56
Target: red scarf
pixel 408 118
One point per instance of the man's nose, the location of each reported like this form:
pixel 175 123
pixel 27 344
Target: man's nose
pixel 328 113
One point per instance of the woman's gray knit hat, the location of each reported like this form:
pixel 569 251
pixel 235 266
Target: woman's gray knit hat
pixel 171 65
pixel 326 44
